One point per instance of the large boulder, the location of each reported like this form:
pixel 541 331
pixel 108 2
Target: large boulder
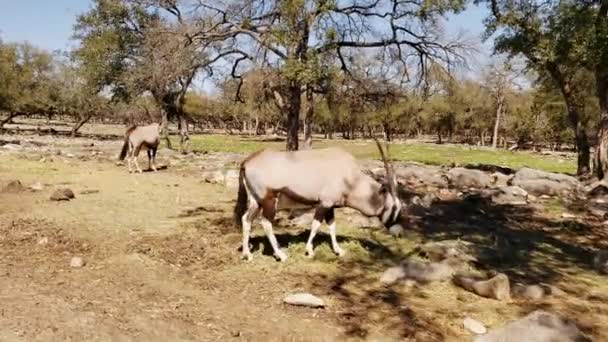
pixel 541 183
pixel 418 175
pixel 463 178
pixel 539 326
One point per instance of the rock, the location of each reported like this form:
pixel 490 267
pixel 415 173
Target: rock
pixel 417 175
pixel 539 326
pixel 598 212
pixel 13 186
pixel 598 189
pixel 89 191
pixel 396 230
pixel 474 326
pixel 77 262
pixel 496 288
pixel 541 183
pixel 600 262
pixel 228 179
pixel 62 194
pixel 544 187
pixel 69 155
pixel 462 178
pixel 529 292
pixel 510 195
pixel 446 195
pixel 423 272
pixel 12 147
pixel 553 290
pixel 447 249
pixel 304 299
pixel 526 173
pixel 568 216
pixel 36 187
pixel 43 241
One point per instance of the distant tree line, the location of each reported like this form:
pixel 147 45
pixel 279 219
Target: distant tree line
pixel 338 68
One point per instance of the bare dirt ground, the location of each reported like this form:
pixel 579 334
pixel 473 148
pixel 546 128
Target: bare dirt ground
pixel 163 261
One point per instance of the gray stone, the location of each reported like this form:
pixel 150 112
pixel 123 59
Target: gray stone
pixel 474 326
pixel 304 299
pixel 13 186
pixel 36 187
pixel 541 183
pixel 497 287
pixel 539 326
pixel 12 147
pixel 529 292
pixel 417 175
pixel 600 261
pixel 62 194
pixel 77 262
pixel 462 178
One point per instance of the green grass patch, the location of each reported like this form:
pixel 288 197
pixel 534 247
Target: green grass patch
pixel 416 152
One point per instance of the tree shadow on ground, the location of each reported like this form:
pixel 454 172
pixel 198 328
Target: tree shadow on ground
pixel 516 240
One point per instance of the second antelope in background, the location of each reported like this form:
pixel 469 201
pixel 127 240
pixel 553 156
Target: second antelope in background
pixel 138 138
pixel 326 179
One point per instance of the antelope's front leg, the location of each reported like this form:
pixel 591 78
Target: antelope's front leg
pixel 314 227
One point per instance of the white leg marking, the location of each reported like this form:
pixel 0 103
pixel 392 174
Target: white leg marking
pixel 247 219
pixel 314 227
pixel 137 164
pixel 273 240
pixel 246 232
pixel 334 242
pixel 129 163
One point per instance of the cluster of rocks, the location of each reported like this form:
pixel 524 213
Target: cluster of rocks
pixel 445 261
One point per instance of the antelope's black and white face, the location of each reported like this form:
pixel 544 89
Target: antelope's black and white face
pixel 391 214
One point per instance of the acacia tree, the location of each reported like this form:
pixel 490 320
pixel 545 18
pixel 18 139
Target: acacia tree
pixel 26 87
pixel 299 37
pixel 549 37
pixel 129 46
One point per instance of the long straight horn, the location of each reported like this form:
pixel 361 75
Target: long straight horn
pixel 390 174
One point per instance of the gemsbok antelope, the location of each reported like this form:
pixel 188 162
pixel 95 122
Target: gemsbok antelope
pixel 137 138
pixel 325 178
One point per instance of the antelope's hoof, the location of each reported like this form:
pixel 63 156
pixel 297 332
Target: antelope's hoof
pixel 281 256
pixel 140 171
pixel 340 252
pixel 247 256
pixel 310 253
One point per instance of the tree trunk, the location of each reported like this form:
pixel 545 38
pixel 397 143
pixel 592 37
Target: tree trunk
pixel 601 79
pixel 10 118
pixel 79 124
pixel 501 99
pixel 387 132
pixel 293 116
pixel 184 138
pixel 310 111
pixel 164 128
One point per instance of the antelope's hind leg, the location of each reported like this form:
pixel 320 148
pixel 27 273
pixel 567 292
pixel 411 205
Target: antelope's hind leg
pixel 154 158
pixel 330 219
pixel 129 154
pixel 268 212
pixel 149 152
pixel 135 155
pixel 251 213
